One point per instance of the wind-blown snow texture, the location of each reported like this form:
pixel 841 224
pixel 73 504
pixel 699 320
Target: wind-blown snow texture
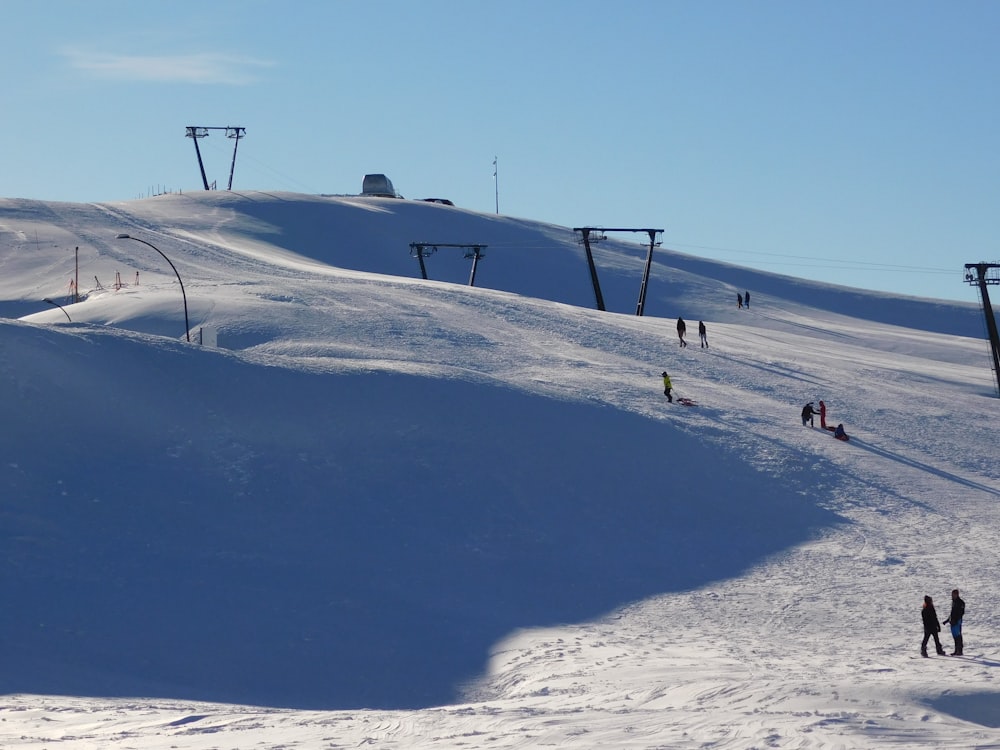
pixel 417 514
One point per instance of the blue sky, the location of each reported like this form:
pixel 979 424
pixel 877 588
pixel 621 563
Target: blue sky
pixel 851 143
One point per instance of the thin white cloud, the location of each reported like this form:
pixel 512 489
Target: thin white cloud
pixel 198 68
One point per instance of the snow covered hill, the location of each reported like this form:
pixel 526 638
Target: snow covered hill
pixel 415 513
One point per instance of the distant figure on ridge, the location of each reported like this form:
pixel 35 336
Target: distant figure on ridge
pixel 739 300
pixel 746 300
pixel 703 334
pixel 681 330
pixel 667 386
pixel 807 415
pixel 931 627
pixel 955 620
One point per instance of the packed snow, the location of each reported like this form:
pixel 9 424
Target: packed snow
pixel 361 508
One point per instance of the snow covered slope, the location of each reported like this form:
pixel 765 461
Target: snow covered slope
pixel 417 514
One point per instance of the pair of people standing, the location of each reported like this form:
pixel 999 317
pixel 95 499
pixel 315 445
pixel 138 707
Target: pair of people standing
pixel 742 301
pixel 932 628
pixel 702 332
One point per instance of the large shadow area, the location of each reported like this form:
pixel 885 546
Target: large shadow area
pixel 978 708
pixel 178 523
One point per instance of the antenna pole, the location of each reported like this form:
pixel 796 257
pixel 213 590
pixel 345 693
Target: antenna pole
pixel 496 184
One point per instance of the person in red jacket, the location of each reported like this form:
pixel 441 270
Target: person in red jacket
pixel 822 415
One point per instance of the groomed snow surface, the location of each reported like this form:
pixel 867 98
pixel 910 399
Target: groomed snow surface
pixel 375 510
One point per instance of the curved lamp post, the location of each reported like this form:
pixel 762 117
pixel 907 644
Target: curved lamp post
pixel 187 326
pixel 46 299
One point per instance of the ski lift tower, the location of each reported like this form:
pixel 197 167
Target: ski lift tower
pixel 987 274
pixel 194 132
pixel 421 250
pixel 599 234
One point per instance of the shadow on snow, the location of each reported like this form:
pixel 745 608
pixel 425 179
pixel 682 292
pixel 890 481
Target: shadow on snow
pixel 202 528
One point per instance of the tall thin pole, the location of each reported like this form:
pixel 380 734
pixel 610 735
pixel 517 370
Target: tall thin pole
pixel 476 255
pixel 641 306
pixel 232 167
pixel 194 135
pixel 593 268
pixel 496 184
pixel 991 323
pixel 417 249
pixel 76 282
pixel 236 133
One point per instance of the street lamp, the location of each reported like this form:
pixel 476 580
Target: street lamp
pixel 187 326
pixel 46 299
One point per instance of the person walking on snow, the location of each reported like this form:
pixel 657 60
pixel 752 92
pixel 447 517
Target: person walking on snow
pixel 822 415
pixel 746 300
pixel 931 627
pixel 955 620
pixel 703 333
pixel 667 387
pixel 739 301
pixel 807 415
pixel 681 330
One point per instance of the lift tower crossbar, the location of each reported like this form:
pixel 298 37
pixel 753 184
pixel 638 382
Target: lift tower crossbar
pixel 421 250
pixel 194 132
pixel 986 275
pixel 601 234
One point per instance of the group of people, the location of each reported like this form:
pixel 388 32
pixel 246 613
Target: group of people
pixel 809 413
pixel 932 627
pixel 682 332
pixel 809 418
pixel 742 300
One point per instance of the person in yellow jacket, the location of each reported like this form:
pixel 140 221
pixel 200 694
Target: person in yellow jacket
pixel 667 386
